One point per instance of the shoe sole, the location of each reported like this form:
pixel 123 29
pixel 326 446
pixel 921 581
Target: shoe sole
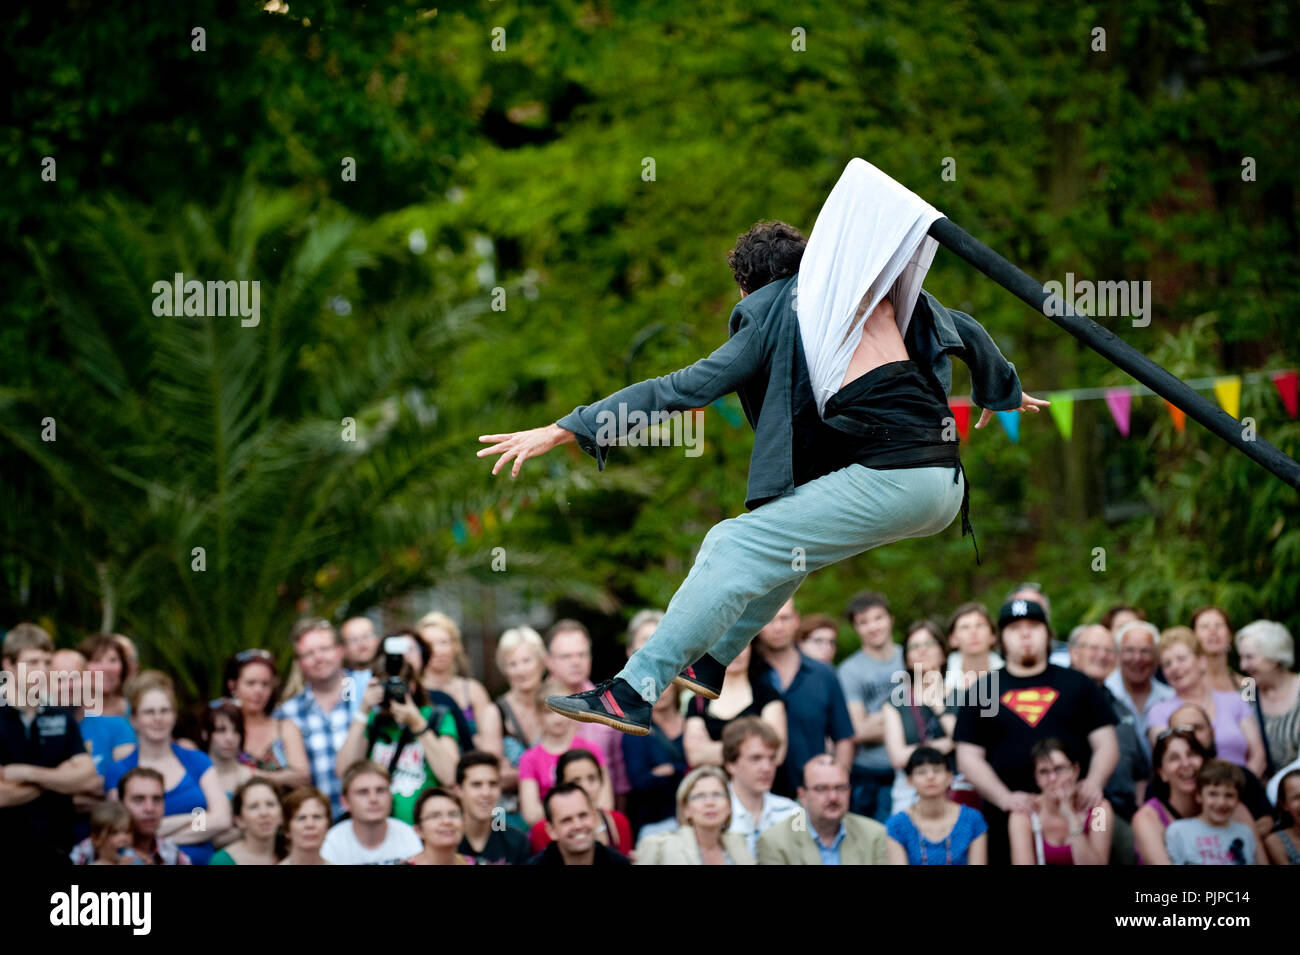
pixel 586 716
pixel 697 688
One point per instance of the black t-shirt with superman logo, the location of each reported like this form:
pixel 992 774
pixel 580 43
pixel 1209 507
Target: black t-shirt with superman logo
pixel 1059 703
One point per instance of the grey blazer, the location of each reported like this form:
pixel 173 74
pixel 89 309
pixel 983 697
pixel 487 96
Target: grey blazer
pixel 763 359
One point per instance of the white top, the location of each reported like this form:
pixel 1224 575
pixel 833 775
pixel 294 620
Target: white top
pixel 869 240
pixel 342 848
pixel 775 808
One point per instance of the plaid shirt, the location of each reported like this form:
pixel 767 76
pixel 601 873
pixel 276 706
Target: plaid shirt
pixel 323 733
pixel 165 852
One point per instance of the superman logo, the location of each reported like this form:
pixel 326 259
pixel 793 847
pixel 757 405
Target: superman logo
pixel 1030 705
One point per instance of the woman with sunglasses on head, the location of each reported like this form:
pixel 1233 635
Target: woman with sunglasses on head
pixel 273 747
pixel 1057 834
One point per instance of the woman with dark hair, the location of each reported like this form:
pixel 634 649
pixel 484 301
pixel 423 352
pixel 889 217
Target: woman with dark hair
pixel 306 822
pixel 105 655
pixel 273 747
pixel 971 639
pixel 872 467
pixel 1284 845
pixel 916 714
pixel 102 732
pixel 1178 757
pixel 1212 629
pixel 1056 834
pixel 582 767
pixel 258 815
pixel 818 637
pixel 440 823
pixel 413 738
pixel 934 830
pixel 222 738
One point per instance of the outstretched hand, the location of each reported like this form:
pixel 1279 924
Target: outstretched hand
pixel 524 444
pixel 1027 403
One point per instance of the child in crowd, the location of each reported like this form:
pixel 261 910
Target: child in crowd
pixel 1213 837
pixel 110 834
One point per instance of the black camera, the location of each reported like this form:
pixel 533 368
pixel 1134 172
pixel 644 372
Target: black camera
pixel 395 688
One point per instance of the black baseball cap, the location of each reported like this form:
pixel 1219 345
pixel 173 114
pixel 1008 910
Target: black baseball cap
pixel 1021 609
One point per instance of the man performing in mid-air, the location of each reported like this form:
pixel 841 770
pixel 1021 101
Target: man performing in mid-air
pixel 854 443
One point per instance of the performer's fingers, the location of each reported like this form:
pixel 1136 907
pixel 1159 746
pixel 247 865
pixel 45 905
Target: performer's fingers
pixel 502 460
pixel 518 461
pixel 495 437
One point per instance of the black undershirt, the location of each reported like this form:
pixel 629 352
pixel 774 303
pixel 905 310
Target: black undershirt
pixel 892 417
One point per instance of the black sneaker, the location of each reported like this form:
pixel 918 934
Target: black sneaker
pixel 704 677
pixel 613 703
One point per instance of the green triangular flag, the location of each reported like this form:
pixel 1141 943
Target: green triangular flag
pixel 1062 409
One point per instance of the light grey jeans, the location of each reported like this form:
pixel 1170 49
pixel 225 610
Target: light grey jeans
pixel 749 566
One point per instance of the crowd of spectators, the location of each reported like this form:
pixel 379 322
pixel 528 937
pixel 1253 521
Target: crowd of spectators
pixel 981 740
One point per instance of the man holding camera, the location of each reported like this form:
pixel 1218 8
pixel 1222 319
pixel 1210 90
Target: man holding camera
pixel 399 729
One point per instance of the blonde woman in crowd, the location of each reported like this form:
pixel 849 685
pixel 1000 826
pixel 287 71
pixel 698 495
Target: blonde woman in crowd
pixel 448 671
pixel 521 659
pixel 1236 731
pixel 704 815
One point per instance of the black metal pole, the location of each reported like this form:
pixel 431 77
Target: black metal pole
pixel 1119 352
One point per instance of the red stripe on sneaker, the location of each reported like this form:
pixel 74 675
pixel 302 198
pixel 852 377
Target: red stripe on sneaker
pixel 611 704
pixel 690 673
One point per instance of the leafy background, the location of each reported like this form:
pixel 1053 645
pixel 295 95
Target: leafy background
pixel 521 169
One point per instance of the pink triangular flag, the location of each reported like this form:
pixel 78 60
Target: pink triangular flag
pixel 1119 400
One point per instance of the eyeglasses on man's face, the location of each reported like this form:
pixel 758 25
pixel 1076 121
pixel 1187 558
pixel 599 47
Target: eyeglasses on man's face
pixel 840 789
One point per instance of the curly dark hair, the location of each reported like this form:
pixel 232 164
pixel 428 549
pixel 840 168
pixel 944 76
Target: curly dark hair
pixel 767 252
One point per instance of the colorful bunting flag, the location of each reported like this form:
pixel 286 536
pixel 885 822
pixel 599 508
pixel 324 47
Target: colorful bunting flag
pixel 458 532
pixel 729 414
pixel 1178 415
pixel 1228 391
pixel 1285 382
pixel 961 415
pixel 1062 409
pixel 1120 401
pixel 1011 422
